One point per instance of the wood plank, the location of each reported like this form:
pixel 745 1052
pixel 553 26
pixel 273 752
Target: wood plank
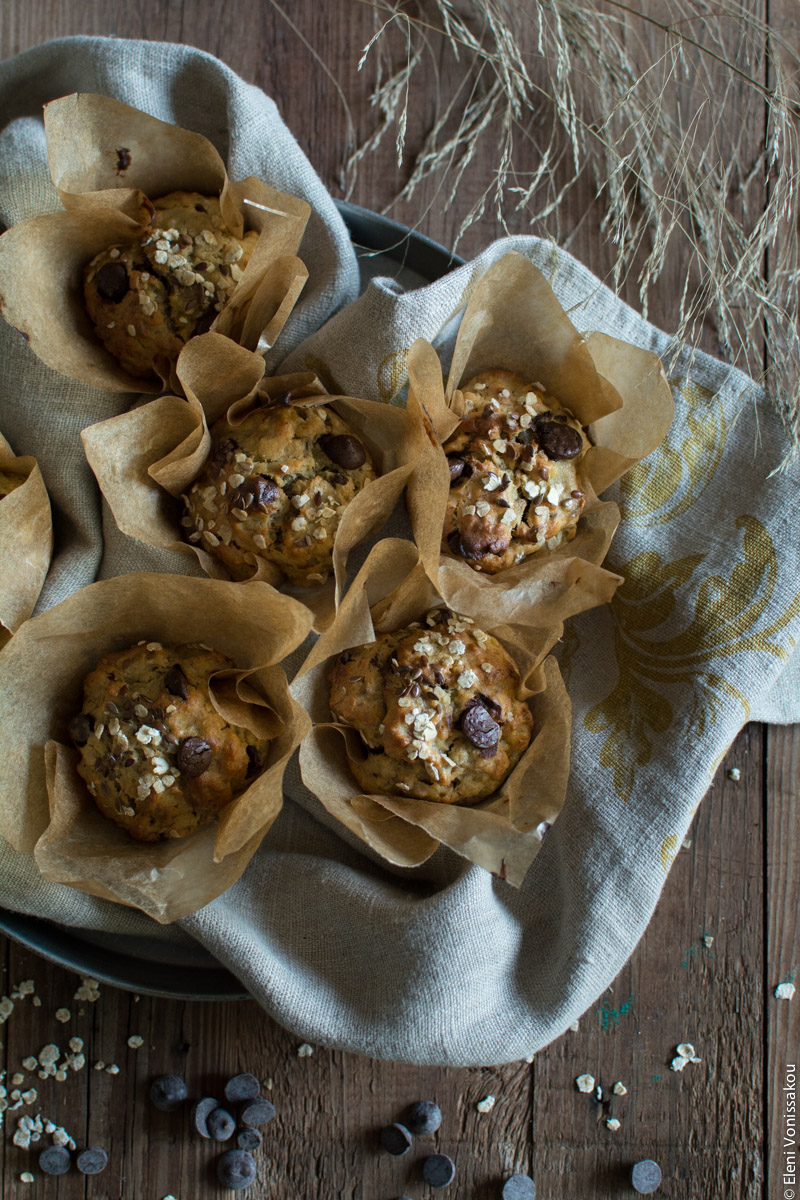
pixel 330 1106
pixel 702 1125
pixel 783 957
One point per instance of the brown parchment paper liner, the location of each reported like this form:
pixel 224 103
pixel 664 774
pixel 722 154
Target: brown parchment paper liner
pixel 105 202
pixel 502 833
pixel 26 540
pixel 617 391
pixel 45 808
pixel 146 458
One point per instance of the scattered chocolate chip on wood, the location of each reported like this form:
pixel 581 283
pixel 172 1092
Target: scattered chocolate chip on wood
pixel 55 1160
pixel 256 1112
pixel 439 1170
pixel 200 1114
pixel 236 1170
pixel 249 1139
pixel 396 1139
pixel 80 728
pixel 646 1176
pixel 519 1187
pixel 168 1092
pixel 221 1125
pixel 92 1160
pixel 423 1117
pixel 242 1087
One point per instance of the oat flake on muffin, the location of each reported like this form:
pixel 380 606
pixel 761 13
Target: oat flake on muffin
pixel 437 708
pixel 515 473
pixel 146 298
pixel 156 755
pixel 275 487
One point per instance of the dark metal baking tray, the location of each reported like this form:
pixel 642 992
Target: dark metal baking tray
pixel 384 247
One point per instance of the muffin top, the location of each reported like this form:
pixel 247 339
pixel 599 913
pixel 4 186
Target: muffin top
pixel 515 473
pixel 275 487
pixel 437 707
pixel 147 297
pixel 156 755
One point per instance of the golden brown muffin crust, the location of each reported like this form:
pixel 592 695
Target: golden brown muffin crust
pixel 515 471
pixel 275 487
pixel 156 755
pixel 437 707
pixel 147 298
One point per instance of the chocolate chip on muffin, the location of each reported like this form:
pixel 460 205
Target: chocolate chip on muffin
pixel 515 473
pixel 437 708
pixel 148 297
pixel 275 487
pixel 156 755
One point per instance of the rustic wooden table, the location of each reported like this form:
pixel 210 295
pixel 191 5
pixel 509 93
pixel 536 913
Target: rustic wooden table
pixel 716 1129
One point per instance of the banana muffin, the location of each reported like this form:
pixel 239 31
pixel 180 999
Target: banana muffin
pixel 515 473
pixel 275 487
pixel 437 708
pixel 148 297
pixel 156 755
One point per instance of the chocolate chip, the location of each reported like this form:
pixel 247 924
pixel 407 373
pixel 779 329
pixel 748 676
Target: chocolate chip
pixel 476 542
pixel 492 707
pixel 253 763
pixel 80 728
pixel 176 683
pixel 194 756
pixel 558 441
pixel 220 1124
pixel 256 492
pixel 458 468
pixel 396 1139
pixel 256 1112
pixel 438 1170
pixel 200 1114
pixel 168 1092
pixel 249 1139
pixel 112 282
pixel 480 728
pixel 236 1170
pixel 123 159
pixel 423 1117
pixel 92 1160
pixel 204 323
pixel 646 1176
pixel 343 449
pixel 55 1160
pixel 242 1087
pixel 221 454
pixel 519 1187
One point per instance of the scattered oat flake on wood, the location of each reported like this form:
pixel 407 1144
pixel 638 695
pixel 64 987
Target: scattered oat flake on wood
pixel 63 1015
pixel 135 1041
pixel 305 1051
pixel 784 991
pixel 619 1089
pixel 612 1123
pixel 585 1083
pixel 486 1104
pixel 89 990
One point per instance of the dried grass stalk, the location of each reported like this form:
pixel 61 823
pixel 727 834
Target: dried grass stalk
pixel 659 101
